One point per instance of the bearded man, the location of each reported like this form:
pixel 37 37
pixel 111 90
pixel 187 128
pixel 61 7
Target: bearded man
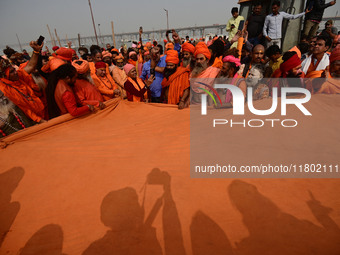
pixel 12 119
pixel 202 76
pixel 176 80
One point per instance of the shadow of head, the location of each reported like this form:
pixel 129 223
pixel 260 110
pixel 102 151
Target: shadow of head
pixel 47 240
pixel 250 202
pixel 9 181
pixel 120 210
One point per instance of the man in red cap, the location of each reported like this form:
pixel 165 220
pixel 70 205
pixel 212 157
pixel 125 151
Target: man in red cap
pixel 188 51
pixel 176 80
pixel 104 82
pixel 290 68
pixel 202 73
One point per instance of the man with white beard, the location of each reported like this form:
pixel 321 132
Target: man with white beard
pixel 254 79
pixel 12 119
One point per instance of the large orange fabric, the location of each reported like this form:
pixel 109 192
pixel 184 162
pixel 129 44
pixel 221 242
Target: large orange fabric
pixel 22 95
pixel 105 85
pixel 178 82
pixel 56 176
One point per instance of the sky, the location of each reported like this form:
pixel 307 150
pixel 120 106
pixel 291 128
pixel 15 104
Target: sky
pixel 28 18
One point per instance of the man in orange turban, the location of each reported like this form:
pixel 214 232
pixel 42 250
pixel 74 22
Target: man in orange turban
pixel 61 57
pixel 188 51
pixel 85 91
pixel 202 73
pixel 176 81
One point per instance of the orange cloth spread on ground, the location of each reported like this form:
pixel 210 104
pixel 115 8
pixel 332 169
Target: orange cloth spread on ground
pixel 53 64
pixel 56 176
pixel 331 86
pixel 106 85
pixel 22 95
pixel 141 86
pixel 86 93
pixel 178 82
pixel 218 63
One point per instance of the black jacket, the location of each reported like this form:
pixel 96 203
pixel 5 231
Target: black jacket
pixel 319 7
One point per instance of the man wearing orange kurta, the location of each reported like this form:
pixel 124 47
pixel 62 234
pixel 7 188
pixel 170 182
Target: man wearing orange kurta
pixel 201 73
pixel 15 85
pixel 104 82
pixel 119 75
pixel 86 93
pixel 176 78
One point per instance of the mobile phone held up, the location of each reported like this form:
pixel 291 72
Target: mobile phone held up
pixel 40 40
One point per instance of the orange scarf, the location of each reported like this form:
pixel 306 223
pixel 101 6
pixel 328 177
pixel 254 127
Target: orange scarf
pixel 141 86
pixel 178 82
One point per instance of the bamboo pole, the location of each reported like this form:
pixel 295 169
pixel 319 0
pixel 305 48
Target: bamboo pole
pixel 19 42
pixel 113 35
pixel 52 37
pixel 55 31
pixel 94 26
pixel 79 40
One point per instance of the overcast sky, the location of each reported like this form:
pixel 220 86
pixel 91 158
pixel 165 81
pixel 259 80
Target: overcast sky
pixel 28 18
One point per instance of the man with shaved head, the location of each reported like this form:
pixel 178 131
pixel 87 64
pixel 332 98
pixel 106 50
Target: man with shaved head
pixel 257 56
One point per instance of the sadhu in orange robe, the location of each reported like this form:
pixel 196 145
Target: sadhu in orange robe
pixel 177 82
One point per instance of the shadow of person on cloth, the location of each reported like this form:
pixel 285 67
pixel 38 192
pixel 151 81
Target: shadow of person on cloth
pixel 9 181
pixel 272 231
pixel 129 233
pixel 46 241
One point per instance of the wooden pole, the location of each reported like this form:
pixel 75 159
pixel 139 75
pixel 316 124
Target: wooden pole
pixel 113 35
pixel 52 38
pixel 94 26
pixel 55 31
pixel 79 40
pixel 19 42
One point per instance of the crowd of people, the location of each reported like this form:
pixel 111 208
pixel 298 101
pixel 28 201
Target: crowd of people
pixel 37 88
